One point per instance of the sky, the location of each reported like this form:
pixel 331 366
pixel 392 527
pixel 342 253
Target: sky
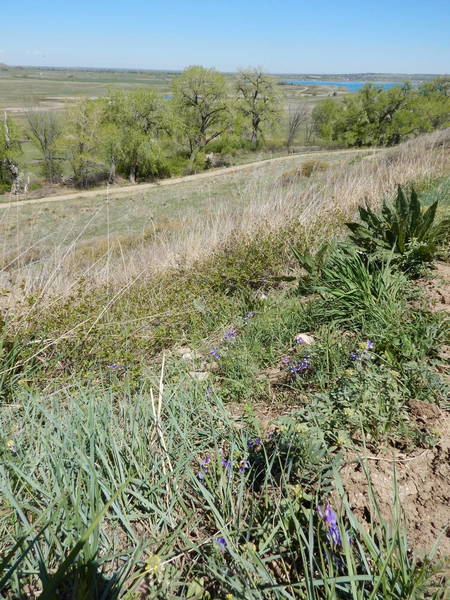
pixel 291 36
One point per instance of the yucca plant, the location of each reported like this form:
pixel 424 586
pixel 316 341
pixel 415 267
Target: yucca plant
pixel 403 228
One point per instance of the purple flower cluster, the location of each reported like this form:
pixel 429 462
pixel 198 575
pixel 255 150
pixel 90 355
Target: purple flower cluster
pixel 364 354
pixel 215 353
pixel 253 443
pixel 226 463
pixel 248 316
pixel 330 521
pixel 230 334
pixel 115 367
pixel 297 367
pixel 203 468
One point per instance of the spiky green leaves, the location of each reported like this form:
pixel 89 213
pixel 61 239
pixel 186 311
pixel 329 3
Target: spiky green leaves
pixel 402 227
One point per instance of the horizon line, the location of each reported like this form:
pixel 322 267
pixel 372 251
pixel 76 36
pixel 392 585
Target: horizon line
pixel 162 70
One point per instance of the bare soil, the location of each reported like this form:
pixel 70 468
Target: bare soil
pixel 423 484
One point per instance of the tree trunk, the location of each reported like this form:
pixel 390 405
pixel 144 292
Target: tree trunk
pixel 112 172
pixel 192 158
pixel 254 139
pixel 132 175
pixel 17 177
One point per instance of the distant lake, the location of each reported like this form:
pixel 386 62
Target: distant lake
pixel 351 86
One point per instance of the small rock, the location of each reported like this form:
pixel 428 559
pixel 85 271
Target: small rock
pixel 199 375
pixel 187 354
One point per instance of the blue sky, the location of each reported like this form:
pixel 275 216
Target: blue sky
pixel 407 36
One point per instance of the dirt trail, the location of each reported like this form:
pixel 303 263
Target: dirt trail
pixel 133 189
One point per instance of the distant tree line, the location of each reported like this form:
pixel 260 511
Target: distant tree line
pixel 376 117
pixel 140 134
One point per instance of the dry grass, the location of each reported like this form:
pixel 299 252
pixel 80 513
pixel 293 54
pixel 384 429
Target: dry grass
pixel 326 198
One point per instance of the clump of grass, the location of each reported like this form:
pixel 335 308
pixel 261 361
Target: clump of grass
pixel 307 169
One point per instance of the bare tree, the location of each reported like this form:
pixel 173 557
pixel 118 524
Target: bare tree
pixel 297 119
pixel 45 129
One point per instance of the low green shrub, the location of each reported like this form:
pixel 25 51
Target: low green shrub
pixel 185 305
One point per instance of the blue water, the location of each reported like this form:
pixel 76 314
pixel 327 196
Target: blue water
pixel 351 86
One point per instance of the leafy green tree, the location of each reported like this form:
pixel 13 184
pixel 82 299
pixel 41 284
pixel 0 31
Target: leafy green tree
pixel 326 116
pixel 10 153
pixel 382 117
pixel 133 123
pixel 201 104
pixel 80 141
pixel 45 128
pixel 257 101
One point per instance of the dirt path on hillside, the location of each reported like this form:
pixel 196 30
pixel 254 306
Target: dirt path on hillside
pixel 124 190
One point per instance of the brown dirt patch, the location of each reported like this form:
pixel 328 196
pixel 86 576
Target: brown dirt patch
pixel 423 482
pixel 438 287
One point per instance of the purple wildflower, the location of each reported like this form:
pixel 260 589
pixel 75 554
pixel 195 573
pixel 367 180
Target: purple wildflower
pixel 370 345
pixel 244 465
pixel 230 334
pixel 285 360
pixel 298 366
pixel 214 353
pixel 226 463
pixel 115 366
pixel 254 443
pixel 330 521
pixel 299 340
pixel 248 316
pixel 222 543
pixel 203 468
pixel 355 356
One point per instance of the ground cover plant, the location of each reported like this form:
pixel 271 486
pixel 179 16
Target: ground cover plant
pixel 197 453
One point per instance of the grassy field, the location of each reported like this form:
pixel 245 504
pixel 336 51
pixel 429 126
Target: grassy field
pixel 23 88
pixel 57 223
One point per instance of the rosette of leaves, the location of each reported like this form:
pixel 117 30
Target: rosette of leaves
pixel 403 228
